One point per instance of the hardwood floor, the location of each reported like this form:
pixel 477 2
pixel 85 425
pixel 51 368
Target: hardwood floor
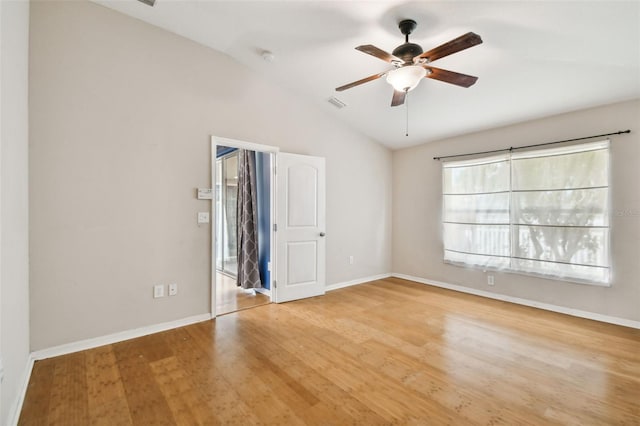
pixel 230 298
pixel 386 352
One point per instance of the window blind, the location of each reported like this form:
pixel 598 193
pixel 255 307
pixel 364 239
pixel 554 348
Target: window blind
pixel 543 212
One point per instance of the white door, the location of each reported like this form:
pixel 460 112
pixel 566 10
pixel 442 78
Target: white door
pixel 300 220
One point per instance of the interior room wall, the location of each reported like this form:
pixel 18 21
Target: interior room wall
pixel 121 114
pixel 14 253
pixel 417 248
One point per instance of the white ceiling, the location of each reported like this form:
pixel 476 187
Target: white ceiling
pixel 538 58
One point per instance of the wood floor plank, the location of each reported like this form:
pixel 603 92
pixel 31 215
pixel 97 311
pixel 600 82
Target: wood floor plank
pixel 146 402
pixel 35 410
pixel 175 389
pixel 344 408
pixel 69 394
pixel 214 400
pixel 387 352
pixel 107 401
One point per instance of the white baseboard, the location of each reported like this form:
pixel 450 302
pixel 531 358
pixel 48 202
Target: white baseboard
pixel 116 337
pixel 16 408
pixel 525 302
pixel 344 284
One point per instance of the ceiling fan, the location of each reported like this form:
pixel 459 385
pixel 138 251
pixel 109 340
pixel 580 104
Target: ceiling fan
pixel 411 64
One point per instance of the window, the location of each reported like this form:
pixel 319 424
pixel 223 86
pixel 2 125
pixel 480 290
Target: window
pixel 543 212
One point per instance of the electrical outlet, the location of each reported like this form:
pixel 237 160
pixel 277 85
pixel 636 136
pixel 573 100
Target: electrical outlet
pixel 158 291
pixel 350 260
pixel 490 280
pixel 173 289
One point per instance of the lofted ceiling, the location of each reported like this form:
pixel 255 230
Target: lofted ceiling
pixel 538 58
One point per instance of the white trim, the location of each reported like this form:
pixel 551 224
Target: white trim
pixel 233 143
pixel 116 337
pixel 526 302
pixel 214 224
pixel 16 408
pixel 273 254
pixel 344 284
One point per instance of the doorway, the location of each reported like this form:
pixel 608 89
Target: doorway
pixel 232 295
pixel 293 231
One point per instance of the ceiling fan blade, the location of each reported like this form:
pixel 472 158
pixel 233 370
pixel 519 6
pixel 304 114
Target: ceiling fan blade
pixel 398 97
pixel 456 45
pixel 379 53
pixel 359 82
pixel 452 77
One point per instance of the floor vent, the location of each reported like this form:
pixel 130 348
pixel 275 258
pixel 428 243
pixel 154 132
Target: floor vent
pixel 337 102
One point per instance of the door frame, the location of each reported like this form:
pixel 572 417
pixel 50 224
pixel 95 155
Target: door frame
pixel 273 151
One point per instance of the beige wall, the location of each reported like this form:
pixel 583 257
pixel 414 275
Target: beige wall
pixel 417 236
pixel 120 118
pixel 14 237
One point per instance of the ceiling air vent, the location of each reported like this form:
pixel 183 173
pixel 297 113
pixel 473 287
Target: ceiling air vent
pixel 337 102
pixel 148 2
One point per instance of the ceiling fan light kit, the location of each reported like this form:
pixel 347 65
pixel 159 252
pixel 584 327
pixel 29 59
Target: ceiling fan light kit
pixel 405 79
pixel 410 63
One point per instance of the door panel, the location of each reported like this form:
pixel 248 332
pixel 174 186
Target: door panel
pixel 300 240
pixel 301 262
pixel 302 185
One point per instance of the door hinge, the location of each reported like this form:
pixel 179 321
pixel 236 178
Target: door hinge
pixel 275 284
pixel 275 227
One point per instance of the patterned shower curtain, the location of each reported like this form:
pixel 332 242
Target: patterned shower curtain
pixel 247 224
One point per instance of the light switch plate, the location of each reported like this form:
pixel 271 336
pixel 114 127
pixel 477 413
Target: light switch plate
pixel 158 291
pixel 203 217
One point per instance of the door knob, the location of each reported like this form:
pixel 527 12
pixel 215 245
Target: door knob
pixel 322 234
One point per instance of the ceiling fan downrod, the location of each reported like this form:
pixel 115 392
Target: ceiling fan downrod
pixel 406 27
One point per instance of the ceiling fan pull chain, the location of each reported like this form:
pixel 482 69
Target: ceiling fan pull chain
pixel 407 109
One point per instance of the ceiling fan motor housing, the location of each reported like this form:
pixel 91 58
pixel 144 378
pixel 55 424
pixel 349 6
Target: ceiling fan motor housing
pixel 407 52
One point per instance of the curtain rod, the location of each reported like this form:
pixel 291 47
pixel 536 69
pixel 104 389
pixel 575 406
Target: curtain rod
pixel 531 146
